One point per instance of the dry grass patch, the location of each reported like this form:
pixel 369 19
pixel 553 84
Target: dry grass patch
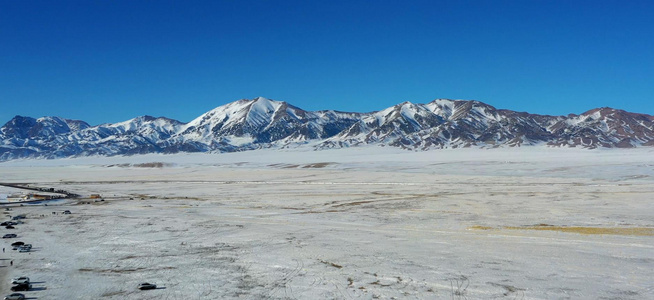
pixel 129 270
pixel 479 227
pixel 317 165
pixel 331 264
pixel 113 293
pixel 638 231
pixel 354 203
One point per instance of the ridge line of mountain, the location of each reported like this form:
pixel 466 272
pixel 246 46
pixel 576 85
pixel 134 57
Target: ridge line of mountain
pixel 262 123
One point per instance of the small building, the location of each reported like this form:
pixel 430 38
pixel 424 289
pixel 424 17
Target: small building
pixel 40 197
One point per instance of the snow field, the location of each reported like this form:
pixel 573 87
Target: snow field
pixel 349 226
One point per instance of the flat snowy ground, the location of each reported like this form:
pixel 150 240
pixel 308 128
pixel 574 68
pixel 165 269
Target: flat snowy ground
pixel 371 223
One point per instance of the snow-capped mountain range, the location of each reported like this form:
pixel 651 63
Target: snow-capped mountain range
pixel 263 123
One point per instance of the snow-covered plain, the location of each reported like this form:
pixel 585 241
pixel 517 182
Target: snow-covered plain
pixel 359 223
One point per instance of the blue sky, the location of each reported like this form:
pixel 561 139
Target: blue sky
pixel 109 61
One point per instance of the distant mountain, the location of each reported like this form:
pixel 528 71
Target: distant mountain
pixel 263 123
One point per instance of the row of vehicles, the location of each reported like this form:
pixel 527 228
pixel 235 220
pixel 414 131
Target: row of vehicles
pixel 9 225
pixel 19 284
pixel 22 283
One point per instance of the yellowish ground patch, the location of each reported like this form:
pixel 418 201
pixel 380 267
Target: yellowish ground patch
pixel 640 231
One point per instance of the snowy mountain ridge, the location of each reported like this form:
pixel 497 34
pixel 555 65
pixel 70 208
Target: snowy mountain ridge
pixel 263 123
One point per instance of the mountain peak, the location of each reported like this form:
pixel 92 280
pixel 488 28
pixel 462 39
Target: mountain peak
pixel 263 99
pixel 261 111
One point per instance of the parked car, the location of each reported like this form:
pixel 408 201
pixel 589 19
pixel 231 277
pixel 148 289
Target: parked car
pixel 17 245
pixel 9 236
pixel 19 280
pixel 67 212
pixel 24 249
pixel 21 287
pixel 15 296
pixel 147 286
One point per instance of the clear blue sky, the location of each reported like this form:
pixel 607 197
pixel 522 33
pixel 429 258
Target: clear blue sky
pixel 109 61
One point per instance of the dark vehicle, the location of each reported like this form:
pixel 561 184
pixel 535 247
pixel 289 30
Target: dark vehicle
pixel 147 286
pixel 15 296
pixel 21 287
pixel 9 236
pixel 16 244
pixel 67 212
pixel 10 227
